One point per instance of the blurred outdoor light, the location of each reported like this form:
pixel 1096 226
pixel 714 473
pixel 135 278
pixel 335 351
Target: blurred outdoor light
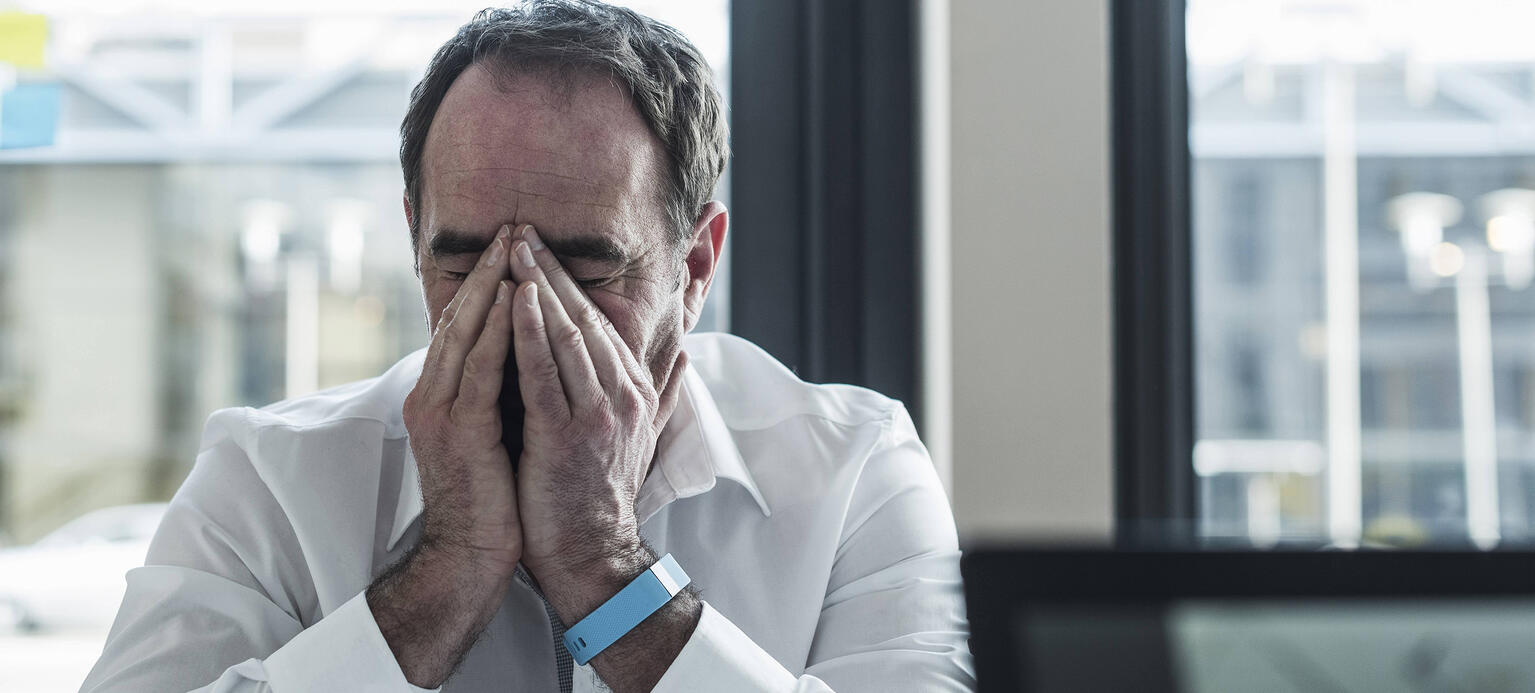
pixel 261 229
pixel 344 237
pixel 1509 234
pixel 1510 215
pixel 1421 218
pixel 1447 260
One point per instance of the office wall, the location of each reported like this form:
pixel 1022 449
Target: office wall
pixel 1030 283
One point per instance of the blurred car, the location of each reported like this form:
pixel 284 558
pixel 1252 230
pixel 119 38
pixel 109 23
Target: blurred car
pixel 73 577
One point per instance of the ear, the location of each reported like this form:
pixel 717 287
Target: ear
pixel 410 223
pixel 702 259
pixel 410 214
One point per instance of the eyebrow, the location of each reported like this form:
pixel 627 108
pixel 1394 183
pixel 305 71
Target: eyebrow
pixel 451 242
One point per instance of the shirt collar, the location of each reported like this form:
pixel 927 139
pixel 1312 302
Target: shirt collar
pixel 694 450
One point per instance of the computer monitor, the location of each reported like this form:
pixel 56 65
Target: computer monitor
pixel 1059 620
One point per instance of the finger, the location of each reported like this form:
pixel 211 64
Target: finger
pixel 537 372
pixel 434 347
pixel 583 313
pixel 480 388
pixel 637 373
pixel 671 393
pixel 583 388
pixel 467 318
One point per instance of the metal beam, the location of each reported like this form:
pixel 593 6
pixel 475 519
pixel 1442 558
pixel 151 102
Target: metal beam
pixel 1509 128
pixel 132 100
pixel 116 146
pixel 215 80
pixel 1249 140
pixel 284 100
pixel 1484 96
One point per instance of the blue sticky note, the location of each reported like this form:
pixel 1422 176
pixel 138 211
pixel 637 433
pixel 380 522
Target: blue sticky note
pixel 29 115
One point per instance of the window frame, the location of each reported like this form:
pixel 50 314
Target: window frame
pixel 825 262
pixel 1153 320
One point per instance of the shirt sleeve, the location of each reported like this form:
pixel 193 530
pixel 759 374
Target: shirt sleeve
pixel 893 618
pixel 220 605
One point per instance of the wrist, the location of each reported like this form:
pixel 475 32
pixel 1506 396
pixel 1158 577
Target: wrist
pixel 431 606
pixel 579 544
pixel 580 581
pixel 464 555
pixel 464 563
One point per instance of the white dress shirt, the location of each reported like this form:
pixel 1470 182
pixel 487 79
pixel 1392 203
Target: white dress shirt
pixel 809 517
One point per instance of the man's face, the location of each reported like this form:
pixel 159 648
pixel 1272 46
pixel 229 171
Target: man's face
pixel 580 165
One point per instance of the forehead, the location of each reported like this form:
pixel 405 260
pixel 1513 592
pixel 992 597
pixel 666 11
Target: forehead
pixel 566 156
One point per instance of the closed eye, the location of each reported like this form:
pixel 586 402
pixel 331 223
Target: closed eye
pixel 595 283
pixel 583 283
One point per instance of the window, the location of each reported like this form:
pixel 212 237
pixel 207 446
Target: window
pixel 1362 196
pixel 216 223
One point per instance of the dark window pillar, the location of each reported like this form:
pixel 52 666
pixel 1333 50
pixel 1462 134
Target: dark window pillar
pixel 825 272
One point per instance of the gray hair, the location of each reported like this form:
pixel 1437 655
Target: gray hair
pixel 667 78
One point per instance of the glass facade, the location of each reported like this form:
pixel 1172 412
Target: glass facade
pixel 217 223
pixel 1364 232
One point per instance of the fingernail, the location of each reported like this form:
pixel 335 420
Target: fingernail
pixel 506 230
pixel 525 255
pixel 496 248
pixel 531 295
pixel 501 291
pixel 531 237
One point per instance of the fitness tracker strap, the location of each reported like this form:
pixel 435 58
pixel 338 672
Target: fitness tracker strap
pixel 625 610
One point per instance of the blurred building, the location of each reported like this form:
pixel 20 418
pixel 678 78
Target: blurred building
pixel 217 223
pixel 1257 138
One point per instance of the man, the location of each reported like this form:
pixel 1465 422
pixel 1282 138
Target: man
pixel 442 525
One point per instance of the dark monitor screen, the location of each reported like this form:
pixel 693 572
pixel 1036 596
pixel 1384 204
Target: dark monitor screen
pixel 1054 621
pixel 1280 646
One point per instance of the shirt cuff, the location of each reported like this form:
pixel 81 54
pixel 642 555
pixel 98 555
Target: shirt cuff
pixel 345 651
pixel 719 657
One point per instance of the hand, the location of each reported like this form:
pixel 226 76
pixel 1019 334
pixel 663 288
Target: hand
pixel 432 604
pixel 593 416
pixel 467 487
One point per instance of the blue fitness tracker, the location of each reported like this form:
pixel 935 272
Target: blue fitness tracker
pixel 625 610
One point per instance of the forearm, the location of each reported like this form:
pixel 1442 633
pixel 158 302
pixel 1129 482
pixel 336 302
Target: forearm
pixel 431 606
pixel 638 660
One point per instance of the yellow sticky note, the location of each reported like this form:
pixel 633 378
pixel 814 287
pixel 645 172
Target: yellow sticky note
pixel 22 37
